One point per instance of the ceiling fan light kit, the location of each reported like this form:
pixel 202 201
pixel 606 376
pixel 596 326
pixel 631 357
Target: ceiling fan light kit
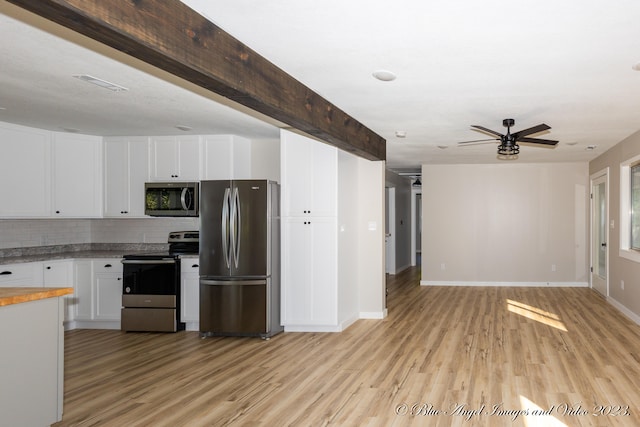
pixel 509 148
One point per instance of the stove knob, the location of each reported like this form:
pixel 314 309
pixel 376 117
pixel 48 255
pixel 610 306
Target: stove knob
pixel 127 289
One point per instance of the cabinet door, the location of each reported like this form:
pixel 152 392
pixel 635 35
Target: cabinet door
pixel 107 289
pixel 309 176
pixel 116 177
pixel 77 175
pixel 175 158
pixel 59 274
pixel 190 290
pixel 164 155
pixel 188 158
pixel 25 169
pixel 309 271
pixel 126 171
pixel 83 278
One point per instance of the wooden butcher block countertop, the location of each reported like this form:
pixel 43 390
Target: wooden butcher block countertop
pixel 19 295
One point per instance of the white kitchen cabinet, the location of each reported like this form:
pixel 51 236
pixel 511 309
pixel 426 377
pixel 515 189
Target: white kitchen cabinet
pixel 59 274
pixel 226 157
pixel 190 292
pixel 77 175
pixel 83 298
pixel 175 158
pixel 309 238
pixel 21 274
pixel 126 168
pixel 107 288
pixel 25 171
pixel 309 271
pixel 309 174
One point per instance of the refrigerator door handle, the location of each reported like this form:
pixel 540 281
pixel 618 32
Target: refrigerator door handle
pixel 225 227
pixel 209 282
pixel 237 224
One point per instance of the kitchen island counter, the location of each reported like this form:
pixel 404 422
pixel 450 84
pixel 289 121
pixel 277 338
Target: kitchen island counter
pixel 9 296
pixel 32 368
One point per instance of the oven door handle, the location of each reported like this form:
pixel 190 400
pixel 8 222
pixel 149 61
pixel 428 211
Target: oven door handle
pixel 148 261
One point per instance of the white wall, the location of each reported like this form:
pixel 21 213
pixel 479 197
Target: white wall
pixel 510 223
pixel 371 217
pixel 347 238
pixel 620 268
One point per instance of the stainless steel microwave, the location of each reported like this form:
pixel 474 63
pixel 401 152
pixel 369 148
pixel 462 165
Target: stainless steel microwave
pixel 171 198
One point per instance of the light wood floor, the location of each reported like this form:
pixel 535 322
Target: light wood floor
pixel 523 349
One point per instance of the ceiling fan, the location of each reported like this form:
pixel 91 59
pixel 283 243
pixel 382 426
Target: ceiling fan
pixel 509 148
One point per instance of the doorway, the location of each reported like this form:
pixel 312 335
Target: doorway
pixel 390 232
pixel 600 232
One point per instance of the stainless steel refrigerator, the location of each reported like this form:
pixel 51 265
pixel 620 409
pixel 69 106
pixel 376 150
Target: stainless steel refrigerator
pixel 240 258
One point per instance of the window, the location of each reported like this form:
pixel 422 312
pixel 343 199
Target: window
pixel 634 171
pixel 630 209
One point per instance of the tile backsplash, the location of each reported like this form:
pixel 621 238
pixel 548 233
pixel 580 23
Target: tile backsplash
pixel 46 232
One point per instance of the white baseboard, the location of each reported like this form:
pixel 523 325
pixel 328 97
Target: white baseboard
pixel 508 284
pixel 624 310
pixel 97 324
pixel 373 314
pixel 312 328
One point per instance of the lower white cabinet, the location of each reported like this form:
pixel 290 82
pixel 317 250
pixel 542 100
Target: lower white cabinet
pixel 107 282
pixel 190 292
pixel 59 274
pixel 23 274
pixel 98 293
pixel 309 272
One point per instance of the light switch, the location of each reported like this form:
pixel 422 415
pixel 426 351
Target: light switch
pixel 373 226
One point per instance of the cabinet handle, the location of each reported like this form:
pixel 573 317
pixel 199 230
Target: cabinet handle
pixel 107 265
pixel 195 266
pixel 57 212
pixel 48 267
pixel 5 273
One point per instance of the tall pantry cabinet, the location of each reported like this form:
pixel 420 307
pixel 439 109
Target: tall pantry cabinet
pixel 309 195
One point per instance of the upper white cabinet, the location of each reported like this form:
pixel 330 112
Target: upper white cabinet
pixel 25 171
pixel 77 175
pixel 126 167
pixel 175 158
pixel 226 157
pixel 309 172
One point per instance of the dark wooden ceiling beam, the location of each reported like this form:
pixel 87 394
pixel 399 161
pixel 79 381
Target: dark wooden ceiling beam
pixel 169 35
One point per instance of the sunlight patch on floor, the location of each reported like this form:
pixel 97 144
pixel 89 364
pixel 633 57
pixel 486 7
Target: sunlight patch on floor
pixel 536 314
pixel 536 416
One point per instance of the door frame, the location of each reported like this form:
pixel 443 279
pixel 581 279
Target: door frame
pixel 604 173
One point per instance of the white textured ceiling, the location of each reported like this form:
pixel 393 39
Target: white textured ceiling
pixel 458 63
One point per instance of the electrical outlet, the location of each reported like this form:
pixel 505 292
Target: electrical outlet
pixel 622 284
pixel 442 266
pixel 553 267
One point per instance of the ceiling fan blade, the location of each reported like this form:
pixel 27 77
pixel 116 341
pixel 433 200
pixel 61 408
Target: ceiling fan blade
pixel 484 129
pixel 478 141
pixel 538 141
pixel 535 129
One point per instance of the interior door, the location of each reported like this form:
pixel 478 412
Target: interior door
pixel 599 235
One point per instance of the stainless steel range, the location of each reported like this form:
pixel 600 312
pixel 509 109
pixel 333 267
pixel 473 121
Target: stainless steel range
pixel 151 286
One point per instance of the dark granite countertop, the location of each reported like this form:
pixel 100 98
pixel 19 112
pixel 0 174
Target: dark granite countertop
pixel 88 250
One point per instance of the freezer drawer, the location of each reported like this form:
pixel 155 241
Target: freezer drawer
pixel 234 308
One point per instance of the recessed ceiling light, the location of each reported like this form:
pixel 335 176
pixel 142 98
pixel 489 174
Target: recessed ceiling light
pixel 571 143
pixel 184 128
pixel 384 75
pixel 591 147
pixel 71 130
pixel 102 83
pixel 442 147
pixel 401 134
